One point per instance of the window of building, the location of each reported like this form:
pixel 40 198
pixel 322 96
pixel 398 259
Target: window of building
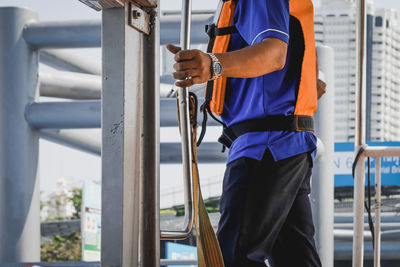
pixel 378 21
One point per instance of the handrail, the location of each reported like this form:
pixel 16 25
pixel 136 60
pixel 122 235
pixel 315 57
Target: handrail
pixel 378 152
pixel 359 142
pixel 184 124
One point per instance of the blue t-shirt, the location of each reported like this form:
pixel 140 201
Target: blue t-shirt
pixel 270 94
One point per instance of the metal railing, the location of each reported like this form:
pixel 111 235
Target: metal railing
pixel 185 129
pixel 377 152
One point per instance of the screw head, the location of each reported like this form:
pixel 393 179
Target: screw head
pixel 136 14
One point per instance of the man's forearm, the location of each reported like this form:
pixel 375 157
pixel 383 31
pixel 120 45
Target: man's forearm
pixel 265 57
pixel 256 60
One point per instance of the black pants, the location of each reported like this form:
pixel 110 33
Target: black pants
pixel 266 214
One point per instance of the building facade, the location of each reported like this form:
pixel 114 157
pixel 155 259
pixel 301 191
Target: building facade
pixel 335 26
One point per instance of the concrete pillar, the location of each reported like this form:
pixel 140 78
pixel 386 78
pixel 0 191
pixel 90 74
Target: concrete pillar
pixel 19 144
pixel 323 180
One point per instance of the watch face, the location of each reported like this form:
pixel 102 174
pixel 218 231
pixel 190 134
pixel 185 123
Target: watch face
pixel 217 68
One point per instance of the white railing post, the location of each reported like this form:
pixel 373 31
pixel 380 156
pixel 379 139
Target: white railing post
pixel 377 241
pixel 19 143
pixel 121 121
pixel 359 179
pixel 322 193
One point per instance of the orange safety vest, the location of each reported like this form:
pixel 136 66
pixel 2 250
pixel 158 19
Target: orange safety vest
pixel 302 21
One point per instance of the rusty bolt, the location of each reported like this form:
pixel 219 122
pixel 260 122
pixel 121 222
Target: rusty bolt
pixel 136 14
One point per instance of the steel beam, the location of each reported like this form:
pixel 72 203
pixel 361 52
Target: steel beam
pixel 19 143
pixel 66 34
pixel 86 114
pixel 64 115
pixel 122 113
pixel 149 244
pixel 86 141
pixel 69 61
pixel 170 153
pixel 322 195
pixel 70 85
pixel 170 29
pixel 359 179
pixel 88 33
pixel 168 115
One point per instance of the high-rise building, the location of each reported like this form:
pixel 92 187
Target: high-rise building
pixel 335 26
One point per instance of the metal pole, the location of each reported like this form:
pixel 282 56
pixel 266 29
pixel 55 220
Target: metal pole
pixel 183 103
pixel 377 241
pixel 322 195
pixel 69 61
pixel 19 144
pixel 64 115
pixel 168 114
pixel 121 129
pixel 64 34
pixel 359 179
pixel 149 247
pixel 71 85
pixel 170 26
pixel 86 141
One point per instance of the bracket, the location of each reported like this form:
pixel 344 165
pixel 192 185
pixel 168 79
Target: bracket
pixel 100 4
pixel 139 19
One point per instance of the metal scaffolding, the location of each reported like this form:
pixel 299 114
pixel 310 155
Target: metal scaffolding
pixel 123 99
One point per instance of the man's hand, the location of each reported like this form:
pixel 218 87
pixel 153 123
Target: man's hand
pixel 191 67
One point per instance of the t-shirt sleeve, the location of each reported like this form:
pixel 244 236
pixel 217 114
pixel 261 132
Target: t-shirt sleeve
pixel 260 19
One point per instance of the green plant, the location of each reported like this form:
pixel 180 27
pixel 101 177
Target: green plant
pixel 77 202
pixel 60 248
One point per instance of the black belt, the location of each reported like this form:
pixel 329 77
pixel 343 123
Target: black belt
pixel 296 123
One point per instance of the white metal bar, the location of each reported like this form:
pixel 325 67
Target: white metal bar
pixel 122 115
pixel 171 24
pixel 322 194
pixel 381 151
pixel 66 34
pixel 86 141
pixel 85 114
pixel 169 113
pixel 69 61
pixel 19 143
pixel 359 179
pixel 64 115
pixel 358 209
pixel 69 85
pixel 377 241
pixel 183 105
pixel 88 33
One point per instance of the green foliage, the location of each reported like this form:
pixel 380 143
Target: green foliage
pixel 77 202
pixel 62 248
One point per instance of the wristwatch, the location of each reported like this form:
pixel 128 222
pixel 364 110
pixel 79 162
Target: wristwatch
pixel 216 67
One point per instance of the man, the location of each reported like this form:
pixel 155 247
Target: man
pixel 265 210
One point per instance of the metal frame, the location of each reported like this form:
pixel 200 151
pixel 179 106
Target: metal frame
pixel 322 194
pixel 185 128
pixel 378 152
pixel 19 143
pixel 149 245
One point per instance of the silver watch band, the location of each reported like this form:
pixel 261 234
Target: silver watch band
pixel 214 60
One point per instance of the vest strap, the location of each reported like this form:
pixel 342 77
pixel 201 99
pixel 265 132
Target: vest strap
pixel 297 123
pixel 212 30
